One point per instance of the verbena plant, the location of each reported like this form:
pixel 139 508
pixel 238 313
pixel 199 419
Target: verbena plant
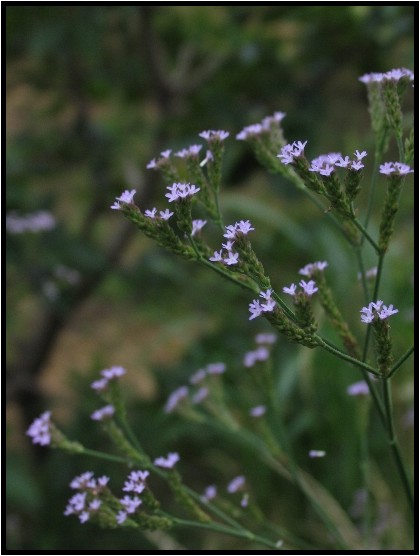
pixel 333 182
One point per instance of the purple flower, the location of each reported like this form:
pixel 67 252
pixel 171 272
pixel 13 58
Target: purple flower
pixel 113 372
pixel 40 429
pixel 398 168
pixel 255 309
pixel 377 309
pixel 126 197
pixel 216 368
pixel 35 222
pixel 200 395
pixel 198 376
pixel 130 503
pixel 257 411
pixel 197 225
pixel 150 213
pixel 360 155
pixel 100 385
pixel 317 453
pixel 231 259
pixel 81 481
pixel 291 151
pixel 177 395
pixel 168 462
pixel 165 214
pixel 181 191
pixel 291 290
pixel 209 493
pixel 244 501
pixel 192 151
pixel 103 413
pixel 121 517
pixel 357 165
pixel 249 132
pixel 236 484
pixel 265 338
pixel 212 135
pixel 230 231
pixel 310 268
pixel 308 287
pixel 217 256
pixel 358 389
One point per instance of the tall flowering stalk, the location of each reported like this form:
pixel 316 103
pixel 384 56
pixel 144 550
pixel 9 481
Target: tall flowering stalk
pixel 295 311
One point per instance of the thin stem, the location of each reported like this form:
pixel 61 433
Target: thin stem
pixel 393 442
pixel 366 234
pixel 372 189
pixel 322 342
pixel 400 361
pixel 242 534
pixel 104 455
pixel 361 265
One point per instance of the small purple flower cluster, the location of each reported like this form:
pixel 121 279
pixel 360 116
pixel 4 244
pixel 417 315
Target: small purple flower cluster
pixel 256 307
pixel 325 164
pixel 181 393
pixel 103 413
pixel 396 168
pixel 164 156
pixel 392 75
pixel 40 429
pixel 135 484
pixel 309 288
pixel 214 136
pixel 291 151
pixel 40 221
pixel 169 462
pixel 310 268
pixel 261 353
pixel 191 152
pixel 179 191
pixel 378 310
pixel 125 197
pixel 261 128
pixel 233 231
pixel 85 503
pixel 108 375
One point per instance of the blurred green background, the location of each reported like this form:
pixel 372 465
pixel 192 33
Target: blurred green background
pixel 93 93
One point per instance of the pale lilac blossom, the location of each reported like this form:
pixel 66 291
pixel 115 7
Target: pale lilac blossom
pixel 216 368
pixel 310 268
pixel 236 484
pixel 257 411
pixel 291 151
pixel 125 197
pixel 40 429
pixel 291 290
pixel 209 493
pixel 217 256
pixel 212 135
pixel 200 395
pixel 181 191
pixel 130 503
pixel 198 376
pixel 255 309
pixel 40 221
pixel 175 398
pixel 104 413
pixel 121 517
pixel 358 389
pixel 308 287
pixel 191 151
pixel 377 309
pixel 398 168
pixel 168 462
pixel 245 500
pixel 165 214
pixel 197 225
pixel 317 453
pixel 231 259
pixel 265 338
pixel 150 213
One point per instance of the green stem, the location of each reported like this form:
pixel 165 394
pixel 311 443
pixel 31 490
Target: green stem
pixel 366 234
pixel 400 361
pixel 393 442
pixel 103 455
pixel 372 189
pixel 242 534
pixel 342 355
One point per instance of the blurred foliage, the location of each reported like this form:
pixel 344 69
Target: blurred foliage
pixel 95 92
